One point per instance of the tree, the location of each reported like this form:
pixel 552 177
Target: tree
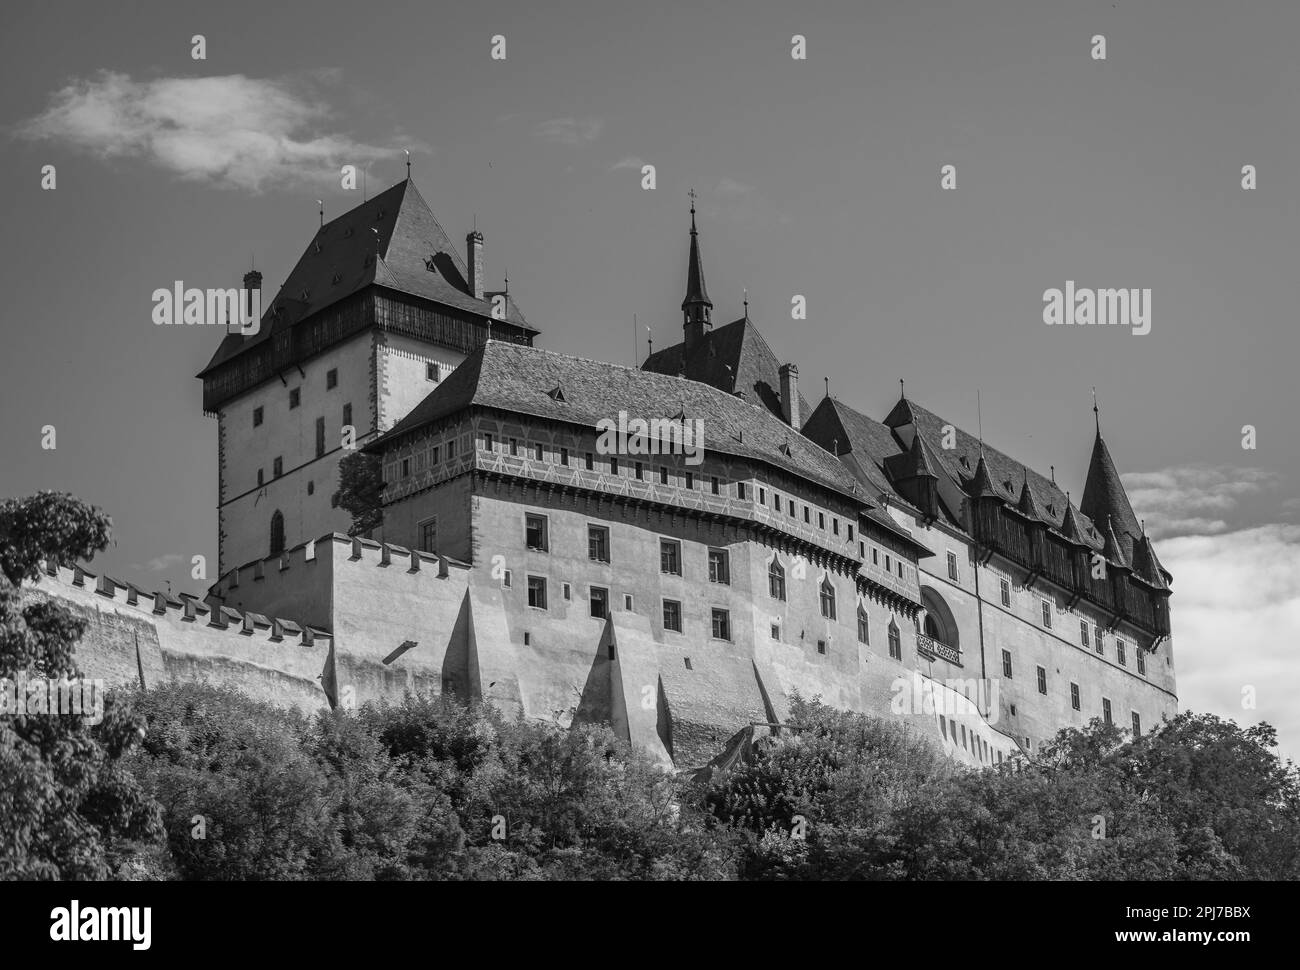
pixel 68 810
pixel 361 482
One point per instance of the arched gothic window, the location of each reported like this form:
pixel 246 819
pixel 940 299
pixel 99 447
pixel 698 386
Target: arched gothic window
pixel 776 579
pixel 277 533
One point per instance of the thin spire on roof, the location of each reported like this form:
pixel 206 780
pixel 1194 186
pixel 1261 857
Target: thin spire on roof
pixel 408 163
pixel 1095 413
pixel 746 303
pixel 902 392
pixel 828 386
pixel 696 291
pixel 321 203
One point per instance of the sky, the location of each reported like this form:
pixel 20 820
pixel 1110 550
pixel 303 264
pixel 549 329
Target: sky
pixel 817 177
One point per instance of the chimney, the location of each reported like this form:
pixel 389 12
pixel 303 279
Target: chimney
pixel 474 257
pixel 790 395
pixel 252 281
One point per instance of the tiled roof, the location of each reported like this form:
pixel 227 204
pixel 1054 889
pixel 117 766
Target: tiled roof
pixel 1104 497
pixel 514 377
pixel 734 357
pixel 415 256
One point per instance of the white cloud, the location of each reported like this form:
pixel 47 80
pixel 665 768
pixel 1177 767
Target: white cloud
pixel 629 161
pixel 570 131
pixel 232 131
pixel 1236 614
pixel 1194 499
pixel 159 563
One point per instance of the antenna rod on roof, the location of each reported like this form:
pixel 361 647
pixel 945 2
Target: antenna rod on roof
pixel 321 203
pixel 363 185
pixel 634 344
pixel 979 412
pixel 1095 413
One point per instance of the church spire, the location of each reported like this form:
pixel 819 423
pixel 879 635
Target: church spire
pixel 697 308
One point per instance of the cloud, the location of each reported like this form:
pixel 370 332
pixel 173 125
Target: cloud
pixel 1194 499
pixel 629 161
pixel 160 563
pixel 570 131
pixel 232 131
pixel 1236 614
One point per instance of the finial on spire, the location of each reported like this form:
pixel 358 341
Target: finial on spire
pixel 691 193
pixel 321 203
pixel 828 386
pixel 507 289
pixel 746 303
pixel 1053 468
pixel 408 163
pixel 902 391
pixel 1096 414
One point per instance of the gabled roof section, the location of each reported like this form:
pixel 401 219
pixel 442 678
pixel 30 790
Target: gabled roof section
pixel 1027 505
pixel 861 443
pixel 1104 497
pixel 392 240
pixel 1070 525
pixel 732 358
pixel 1112 549
pixel 914 463
pixel 1146 565
pixel 518 378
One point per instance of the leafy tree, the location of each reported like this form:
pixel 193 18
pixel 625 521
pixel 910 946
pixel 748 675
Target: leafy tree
pixel 361 483
pixel 68 809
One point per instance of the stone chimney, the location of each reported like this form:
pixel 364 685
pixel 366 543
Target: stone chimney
pixel 790 395
pixel 474 259
pixel 252 281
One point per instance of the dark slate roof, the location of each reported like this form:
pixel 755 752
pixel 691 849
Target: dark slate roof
pixel 1104 497
pixel 340 261
pixel 914 463
pixel 518 378
pixel 1006 476
pixel 734 357
pixel 695 289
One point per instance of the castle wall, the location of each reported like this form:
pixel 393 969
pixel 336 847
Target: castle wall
pixel 402 373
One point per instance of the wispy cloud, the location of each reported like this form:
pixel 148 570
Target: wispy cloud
pixel 1236 614
pixel 570 131
pixel 628 161
pixel 1194 499
pixel 729 188
pixel 231 131
pixel 160 563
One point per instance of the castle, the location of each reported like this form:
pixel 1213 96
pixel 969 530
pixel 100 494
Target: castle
pixel 899 567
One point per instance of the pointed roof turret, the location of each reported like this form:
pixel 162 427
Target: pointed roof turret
pixel 1145 563
pixel 1104 497
pixel 981 486
pixel 696 292
pixel 1028 506
pixel 1070 524
pixel 1112 550
pixel 917 462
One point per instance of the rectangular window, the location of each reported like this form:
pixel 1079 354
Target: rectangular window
pixel 895 644
pixel 791 507
pixel 1047 614
pixel 762 495
pixel 567 591
pixel 821 646
pixel 627 602
pixel 1142 662
pixel 821 520
pixel 673 616
pixel 850 528
pixel 260 477
pixel 776 501
pixel 862 549
pixel 406 467
pixel 320 437
pixel 295 398
pixel 776 580
pixel 713 484
pixel 721 624
pixel 1096 639
pixel 1083 632
pixel 900 570
pixel 1105 711
pixel 487 440
pixel 740 489
pixel 257 417
pixel 864 628
pixel 591 462
pixel 637 470
pixel 889 563
pixel 429 535
pixel 1119 653
pixel 506 578
pixel 952 566
pixel 599 602
pixel 564 457
pixel 451 449
pixel 435 454
pixel 1074 696
pixel 1006 664
pixel 663 474
pixel 1006 592
pixel 538 454
pixel 347 414
pixel 331 378
pixel 670 557
pixel 514 447
pixel 688 480
pixel 613 466
pixel 875 556
pixel 598 543
pixel 1042 680
pixel 1137 725
pixel 835 526
pixel 719 567
pixel 776 631
pixel 828 600
pixel 431 371
pixel 537 592
pixel 277 468
pixel 535 532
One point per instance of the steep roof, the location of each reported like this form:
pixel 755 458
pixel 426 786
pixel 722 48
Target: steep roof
pixel 518 378
pixel 415 256
pixel 859 441
pixel 1104 497
pixel 695 289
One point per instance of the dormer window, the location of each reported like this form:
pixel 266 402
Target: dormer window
pixel 428 264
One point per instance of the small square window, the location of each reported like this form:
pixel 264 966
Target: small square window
pixel 538 454
pixel 537 592
pixel 638 471
pixel 952 566
pixel 331 378
pixel 506 578
pixel 257 417
pixel 599 602
pixel 663 474
pixel 776 631
pixel 295 397
pixel 713 484
pixel 564 457
pixel 688 480
pixel 432 372
pixel 591 462
pixel 1006 592
pixel 719 567
pixel 598 543
pixel 670 557
pixel 277 468
pixel 821 646
pixel 567 590
pixel 627 602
